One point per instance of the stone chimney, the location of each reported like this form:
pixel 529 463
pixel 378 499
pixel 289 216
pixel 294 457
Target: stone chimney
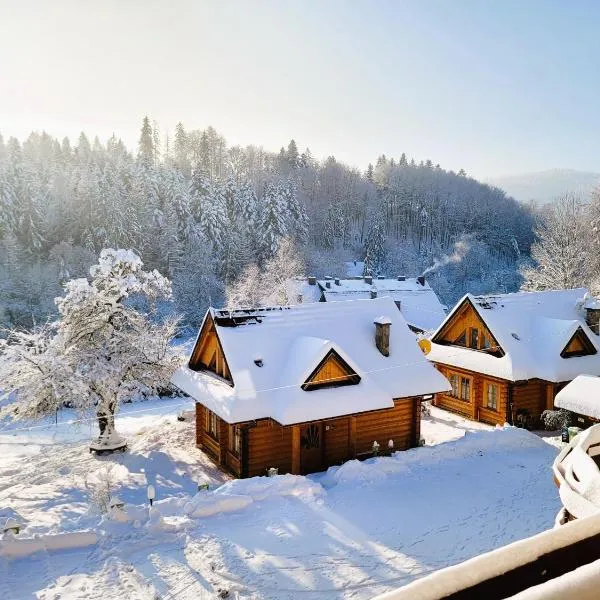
pixel 368 279
pixel 312 280
pixel 401 277
pixel 382 334
pixel 592 314
pixel 421 280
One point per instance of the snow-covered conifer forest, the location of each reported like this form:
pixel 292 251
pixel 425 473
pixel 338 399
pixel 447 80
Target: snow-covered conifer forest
pixel 209 216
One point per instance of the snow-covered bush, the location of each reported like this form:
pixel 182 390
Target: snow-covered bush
pixel 100 486
pixel 556 419
pixel 99 352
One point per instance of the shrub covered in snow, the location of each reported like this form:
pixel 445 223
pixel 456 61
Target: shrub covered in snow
pixel 557 419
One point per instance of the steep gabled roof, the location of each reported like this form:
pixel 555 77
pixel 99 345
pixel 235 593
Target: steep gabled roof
pixel 532 328
pixel 290 342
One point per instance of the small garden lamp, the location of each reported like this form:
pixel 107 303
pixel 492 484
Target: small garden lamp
pixel 151 493
pixel 375 448
pixel 391 446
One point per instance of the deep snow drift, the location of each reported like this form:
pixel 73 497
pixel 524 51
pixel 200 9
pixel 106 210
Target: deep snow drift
pixel 352 532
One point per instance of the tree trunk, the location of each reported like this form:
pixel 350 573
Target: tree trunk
pixel 106 418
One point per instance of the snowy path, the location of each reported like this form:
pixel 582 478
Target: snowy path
pixel 368 527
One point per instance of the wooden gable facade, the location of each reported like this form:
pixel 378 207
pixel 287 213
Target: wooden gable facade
pixel 250 448
pixel 481 397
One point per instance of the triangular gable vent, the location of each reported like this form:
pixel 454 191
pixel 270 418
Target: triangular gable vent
pixel 332 371
pixel 578 345
pixel 208 352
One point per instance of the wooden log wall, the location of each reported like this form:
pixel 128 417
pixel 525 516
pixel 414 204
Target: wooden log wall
pixel 531 397
pixel 398 423
pixel 269 445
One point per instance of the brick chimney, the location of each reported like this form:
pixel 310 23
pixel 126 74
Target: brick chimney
pixel 337 281
pixel 368 279
pixel 592 314
pixel 312 280
pixel 382 334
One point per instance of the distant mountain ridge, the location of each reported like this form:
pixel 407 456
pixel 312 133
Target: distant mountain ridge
pixel 546 186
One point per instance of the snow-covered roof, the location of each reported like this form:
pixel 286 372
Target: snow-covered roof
pixel 418 302
pixel 582 396
pixel 301 291
pixel 532 328
pixel 291 341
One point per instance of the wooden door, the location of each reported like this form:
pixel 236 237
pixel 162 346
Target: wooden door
pixel 311 448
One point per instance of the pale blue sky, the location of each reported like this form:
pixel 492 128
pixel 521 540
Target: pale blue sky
pixel 492 87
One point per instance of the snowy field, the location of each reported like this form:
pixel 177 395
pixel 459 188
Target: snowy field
pixel 352 532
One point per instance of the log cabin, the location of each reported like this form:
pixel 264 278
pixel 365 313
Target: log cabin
pixel 301 388
pixel 506 356
pixel 413 296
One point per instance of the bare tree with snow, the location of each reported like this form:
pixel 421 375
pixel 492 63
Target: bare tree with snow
pixel 99 352
pixel 562 250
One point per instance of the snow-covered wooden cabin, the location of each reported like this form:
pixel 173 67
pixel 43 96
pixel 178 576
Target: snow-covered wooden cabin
pixel 506 356
pixel 300 388
pixel 413 296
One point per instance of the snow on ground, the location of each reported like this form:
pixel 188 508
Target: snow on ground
pixel 352 532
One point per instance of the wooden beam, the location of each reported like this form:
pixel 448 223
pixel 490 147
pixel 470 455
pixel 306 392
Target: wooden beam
pixel 296 450
pixel 352 437
pixel 549 396
pixel 223 441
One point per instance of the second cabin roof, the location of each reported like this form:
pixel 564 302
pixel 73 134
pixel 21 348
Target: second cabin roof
pixel 532 329
pixel 289 342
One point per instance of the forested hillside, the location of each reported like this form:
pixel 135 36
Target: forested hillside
pixel 201 212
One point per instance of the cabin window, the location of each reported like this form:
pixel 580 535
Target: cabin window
pixel 235 439
pixel 474 338
pixel 454 382
pixel 212 424
pixel 492 396
pixel 486 343
pixel 461 340
pixel 465 388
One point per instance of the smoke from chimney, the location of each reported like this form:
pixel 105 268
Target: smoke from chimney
pixel 461 248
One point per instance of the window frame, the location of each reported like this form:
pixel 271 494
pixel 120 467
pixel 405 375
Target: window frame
pixel 473 337
pixel 468 381
pixel 460 380
pixel 212 424
pixel 235 440
pixel 496 396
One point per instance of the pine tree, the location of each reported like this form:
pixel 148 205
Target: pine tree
pixel 292 155
pixel 146 144
pixel 403 162
pixel 181 150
